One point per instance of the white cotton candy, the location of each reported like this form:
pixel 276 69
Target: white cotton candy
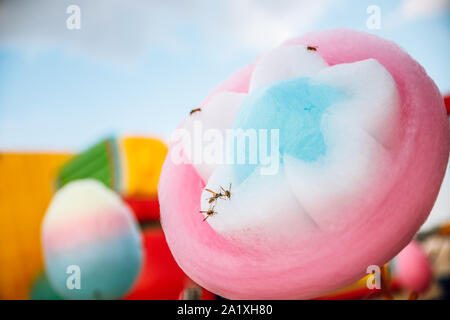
pixel 325 187
pixel 251 210
pixel 359 133
pixel 286 62
pixel 205 147
pixel 372 102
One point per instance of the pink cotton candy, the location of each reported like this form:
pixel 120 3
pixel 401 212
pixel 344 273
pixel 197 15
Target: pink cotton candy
pixel 413 269
pixel 389 211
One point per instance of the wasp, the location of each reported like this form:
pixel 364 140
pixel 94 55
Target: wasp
pixel 311 48
pixel 209 213
pixel 194 111
pixel 227 193
pixel 215 196
pixel 219 195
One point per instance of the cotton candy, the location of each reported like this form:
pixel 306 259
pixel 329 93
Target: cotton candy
pixel 440 214
pixel 413 269
pixel 363 146
pixel 91 242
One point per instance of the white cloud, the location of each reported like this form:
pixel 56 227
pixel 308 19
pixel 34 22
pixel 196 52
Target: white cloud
pixel 263 24
pixel 125 30
pixel 416 9
pixel 113 28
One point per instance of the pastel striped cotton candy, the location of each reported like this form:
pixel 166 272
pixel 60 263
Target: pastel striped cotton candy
pixel 89 232
pixel 363 145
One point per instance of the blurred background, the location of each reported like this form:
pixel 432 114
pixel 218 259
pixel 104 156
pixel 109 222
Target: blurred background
pixel 111 89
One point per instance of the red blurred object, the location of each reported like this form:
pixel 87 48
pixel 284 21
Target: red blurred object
pixel 160 277
pixel 144 209
pixel 447 103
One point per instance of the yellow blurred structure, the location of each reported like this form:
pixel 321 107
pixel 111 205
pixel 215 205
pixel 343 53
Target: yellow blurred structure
pixel 29 180
pixel 142 163
pixel 26 188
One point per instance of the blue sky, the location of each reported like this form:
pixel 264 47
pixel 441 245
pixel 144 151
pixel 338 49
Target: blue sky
pixel 139 67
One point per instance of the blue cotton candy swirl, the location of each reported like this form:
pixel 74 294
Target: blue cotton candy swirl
pixel 294 106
